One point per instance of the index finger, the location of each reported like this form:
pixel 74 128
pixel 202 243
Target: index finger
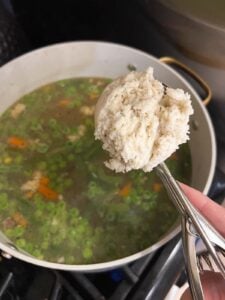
pixel 212 211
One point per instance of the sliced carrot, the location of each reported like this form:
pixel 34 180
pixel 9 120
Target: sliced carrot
pixel 17 142
pixel 64 102
pixel 157 187
pixel 125 190
pixel 19 219
pixel 93 96
pixel 47 192
pixel 174 156
pixel 44 180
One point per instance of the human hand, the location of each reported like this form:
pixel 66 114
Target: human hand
pixel 213 283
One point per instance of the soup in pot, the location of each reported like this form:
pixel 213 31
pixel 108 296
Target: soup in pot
pixel 58 201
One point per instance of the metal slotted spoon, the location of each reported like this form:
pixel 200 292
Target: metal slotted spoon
pixel 193 225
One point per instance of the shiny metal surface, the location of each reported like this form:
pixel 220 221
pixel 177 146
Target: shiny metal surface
pixel 172 61
pixel 76 59
pixel 195 35
pixel 193 224
pixel 189 241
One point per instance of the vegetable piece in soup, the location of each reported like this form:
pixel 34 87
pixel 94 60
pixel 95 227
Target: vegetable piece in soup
pixel 58 201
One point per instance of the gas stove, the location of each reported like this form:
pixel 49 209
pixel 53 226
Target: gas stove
pixel 141 279
pixel 152 276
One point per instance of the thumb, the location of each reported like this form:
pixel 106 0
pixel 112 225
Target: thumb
pixel 212 211
pixel 213 286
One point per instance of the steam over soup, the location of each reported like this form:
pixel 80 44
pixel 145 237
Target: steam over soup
pixel 58 201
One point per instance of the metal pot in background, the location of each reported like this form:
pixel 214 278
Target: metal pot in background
pixel 196 29
pixel 77 59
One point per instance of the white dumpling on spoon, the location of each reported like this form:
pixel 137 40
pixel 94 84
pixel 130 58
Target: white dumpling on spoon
pixel 140 121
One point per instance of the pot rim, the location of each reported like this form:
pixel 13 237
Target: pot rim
pixel 11 250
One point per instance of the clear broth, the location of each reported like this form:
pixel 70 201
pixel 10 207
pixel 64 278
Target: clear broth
pixel 58 201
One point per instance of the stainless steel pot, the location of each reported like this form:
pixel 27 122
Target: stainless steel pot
pixel 195 31
pixel 74 59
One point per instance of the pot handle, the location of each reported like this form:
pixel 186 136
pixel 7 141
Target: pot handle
pixel 172 61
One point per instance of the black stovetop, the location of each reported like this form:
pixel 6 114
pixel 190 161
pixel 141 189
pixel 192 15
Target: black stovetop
pixel 142 279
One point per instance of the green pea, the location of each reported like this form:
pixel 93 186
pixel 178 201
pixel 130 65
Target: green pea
pixel 65 130
pixel 52 123
pixel 69 144
pixel 18 159
pixel 68 182
pixel 2 185
pixel 44 245
pixel 69 259
pixel 37 199
pixel 37 253
pixel 74 212
pixel 87 253
pixel 62 164
pixel 73 232
pixel 62 205
pixel 92 89
pixel 53 167
pixel 42 165
pixel 48 97
pixel 21 243
pixel 82 228
pixel 62 83
pixel 50 205
pixel 60 188
pixel 58 239
pixel 54 230
pixel 4 201
pixel 38 213
pixel 71 157
pixel 36 127
pixel 15 232
pixel 56 134
pixel 70 91
pixel 40 204
pixel 42 148
pixel 77 102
